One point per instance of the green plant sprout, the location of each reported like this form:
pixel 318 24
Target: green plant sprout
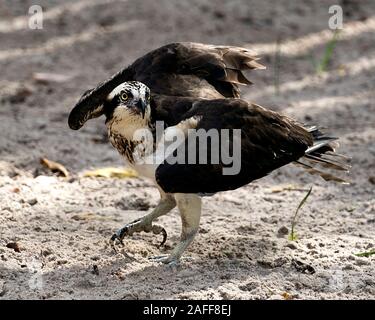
pixel 330 47
pixel 365 254
pixel 293 235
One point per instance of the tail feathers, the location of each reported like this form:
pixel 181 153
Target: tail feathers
pixel 325 175
pixel 323 144
pixel 328 163
pixel 322 153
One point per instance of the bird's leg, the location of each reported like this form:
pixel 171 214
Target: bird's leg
pixel 190 206
pixel 166 204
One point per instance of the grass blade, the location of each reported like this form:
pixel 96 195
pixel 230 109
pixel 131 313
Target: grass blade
pixel 330 47
pixel 365 254
pixel 293 235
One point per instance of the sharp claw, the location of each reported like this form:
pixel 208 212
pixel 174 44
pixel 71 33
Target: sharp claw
pixel 156 229
pixel 113 244
pixel 114 248
pixel 165 235
pixel 114 238
pixel 118 237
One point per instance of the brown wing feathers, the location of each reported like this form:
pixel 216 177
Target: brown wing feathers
pixel 222 64
pixel 178 69
pixel 268 141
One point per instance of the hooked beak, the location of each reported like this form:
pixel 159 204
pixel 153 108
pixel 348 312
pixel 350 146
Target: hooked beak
pixel 141 106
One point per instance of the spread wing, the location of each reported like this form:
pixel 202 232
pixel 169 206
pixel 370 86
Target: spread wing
pixel 267 142
pixel 196 70
pixel 177 69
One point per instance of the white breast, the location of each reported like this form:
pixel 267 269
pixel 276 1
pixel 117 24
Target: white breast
pixel 134 128
pixel 125 123
pixel 130 127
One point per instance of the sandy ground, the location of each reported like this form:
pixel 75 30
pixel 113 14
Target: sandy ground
pixel 62 225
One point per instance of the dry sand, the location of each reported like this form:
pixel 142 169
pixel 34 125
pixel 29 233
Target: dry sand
pixel 62 225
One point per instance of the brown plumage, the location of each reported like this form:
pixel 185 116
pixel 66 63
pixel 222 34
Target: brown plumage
pixel 177 69
pixel 196 86
pixel 268 141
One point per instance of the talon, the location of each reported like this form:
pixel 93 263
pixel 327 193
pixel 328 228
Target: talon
pixel 163 259
pixel 113 243
pixel 169 261
pixel 156 229
pixel 136 226
pixel 174 265
pixel 118 237
pixel 165 235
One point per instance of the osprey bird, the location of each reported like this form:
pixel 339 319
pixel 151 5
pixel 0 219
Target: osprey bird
pixel 195 86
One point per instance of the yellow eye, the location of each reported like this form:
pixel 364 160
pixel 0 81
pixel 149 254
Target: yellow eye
pixel 123 97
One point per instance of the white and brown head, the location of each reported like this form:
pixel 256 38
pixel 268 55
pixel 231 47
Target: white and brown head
pixel 129 99
pixel 127 102
pixel 127 109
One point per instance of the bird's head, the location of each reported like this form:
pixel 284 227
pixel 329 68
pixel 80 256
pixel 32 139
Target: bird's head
pixel 129 99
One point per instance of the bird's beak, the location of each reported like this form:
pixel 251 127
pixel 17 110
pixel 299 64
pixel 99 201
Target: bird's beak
pixel 141 106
